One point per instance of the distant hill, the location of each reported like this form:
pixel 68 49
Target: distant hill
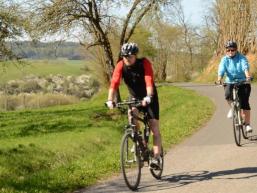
pixel 49 50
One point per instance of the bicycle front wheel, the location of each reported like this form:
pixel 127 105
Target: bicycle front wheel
pixel 130 162
pixel 157 173
pixel 236 126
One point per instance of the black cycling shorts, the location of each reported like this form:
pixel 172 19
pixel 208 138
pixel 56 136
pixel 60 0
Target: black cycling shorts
pixel 243 94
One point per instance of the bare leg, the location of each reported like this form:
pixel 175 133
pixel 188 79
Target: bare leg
pixel 154 126
pixel 246 114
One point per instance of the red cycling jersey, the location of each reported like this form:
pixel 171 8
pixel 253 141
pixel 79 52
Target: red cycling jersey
pixel 117 74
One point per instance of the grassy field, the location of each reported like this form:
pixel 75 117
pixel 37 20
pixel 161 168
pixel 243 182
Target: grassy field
pixel 12 71
pixel 54 149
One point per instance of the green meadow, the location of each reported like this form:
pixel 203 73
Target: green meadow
pixel 14 71
pixel 64 148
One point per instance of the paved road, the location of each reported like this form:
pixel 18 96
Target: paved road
pixel 207 162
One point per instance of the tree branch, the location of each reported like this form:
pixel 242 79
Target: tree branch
pixel 125 25
pixel 139 18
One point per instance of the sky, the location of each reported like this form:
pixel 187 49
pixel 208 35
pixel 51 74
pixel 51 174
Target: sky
pixel 195 10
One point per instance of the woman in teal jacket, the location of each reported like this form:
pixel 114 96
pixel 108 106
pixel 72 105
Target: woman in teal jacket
pixel 236 68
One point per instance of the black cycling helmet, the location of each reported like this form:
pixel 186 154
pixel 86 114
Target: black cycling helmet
pixel 231 44
pixel 128 49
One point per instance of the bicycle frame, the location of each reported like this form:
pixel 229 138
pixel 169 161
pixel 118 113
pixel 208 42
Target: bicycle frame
pixel 143 120
pixel 139 149
pixel 131 127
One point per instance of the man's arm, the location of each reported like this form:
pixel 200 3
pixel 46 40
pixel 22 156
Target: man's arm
pixel 111 94
pixel 115 82
pixel 149 79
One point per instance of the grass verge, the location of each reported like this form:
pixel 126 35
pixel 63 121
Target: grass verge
pixel 60 149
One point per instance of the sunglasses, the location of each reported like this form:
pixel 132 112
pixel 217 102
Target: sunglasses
pixel 231 50
pixel 129 56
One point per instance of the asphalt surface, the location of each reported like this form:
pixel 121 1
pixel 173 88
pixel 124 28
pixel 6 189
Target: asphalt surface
pixel 207 162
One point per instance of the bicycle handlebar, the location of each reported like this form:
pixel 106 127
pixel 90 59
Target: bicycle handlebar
pixel 236 84
pixel 131 103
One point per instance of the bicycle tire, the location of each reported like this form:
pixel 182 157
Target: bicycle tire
pixel 158 173
pixel 245 134
pixel 130 166
pixel 236 127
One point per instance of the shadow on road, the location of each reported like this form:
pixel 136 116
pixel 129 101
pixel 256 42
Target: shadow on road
pixel 177 180
pixel 183 179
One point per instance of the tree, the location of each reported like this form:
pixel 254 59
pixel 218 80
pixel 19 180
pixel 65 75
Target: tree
pixel 188 33
pixel 97 21
pixel 12 24
pixel 165 40
pixel 235 20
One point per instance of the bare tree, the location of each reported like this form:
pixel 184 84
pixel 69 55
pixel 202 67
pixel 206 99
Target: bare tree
pixel 235 20
pixel 164 38
pixel 188 33
pixel 96 19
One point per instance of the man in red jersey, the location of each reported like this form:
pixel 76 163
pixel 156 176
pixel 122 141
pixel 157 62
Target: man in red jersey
pixel 137 74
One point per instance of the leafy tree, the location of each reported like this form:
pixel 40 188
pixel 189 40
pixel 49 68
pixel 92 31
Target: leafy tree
pixel 12 26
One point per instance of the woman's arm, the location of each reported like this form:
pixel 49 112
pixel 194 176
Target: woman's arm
pixel 247 74
pixel 221 70
pixel 246 67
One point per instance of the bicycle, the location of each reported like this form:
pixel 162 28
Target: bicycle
pixel 238 122
pixel 134 151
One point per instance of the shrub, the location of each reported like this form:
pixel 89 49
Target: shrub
pixel 32 101
pixel 30 86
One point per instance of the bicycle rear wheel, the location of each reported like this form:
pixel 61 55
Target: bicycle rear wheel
pixel 236 127
pixel 130 162
pixel 158 173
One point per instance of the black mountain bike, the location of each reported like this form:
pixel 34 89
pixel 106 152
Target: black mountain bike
pixel 238 122
pixel 135 152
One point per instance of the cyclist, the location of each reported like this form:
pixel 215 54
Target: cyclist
pixel 137 74
pixel 236 67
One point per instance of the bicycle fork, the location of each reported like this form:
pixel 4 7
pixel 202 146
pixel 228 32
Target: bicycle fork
pixel 237 106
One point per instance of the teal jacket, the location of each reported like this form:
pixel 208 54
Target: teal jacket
pixel 234 68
